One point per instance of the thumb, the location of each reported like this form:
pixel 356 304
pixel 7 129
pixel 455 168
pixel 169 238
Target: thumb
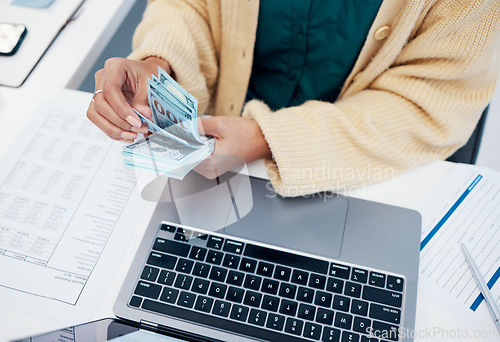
pixel 209 126
pixel 140 100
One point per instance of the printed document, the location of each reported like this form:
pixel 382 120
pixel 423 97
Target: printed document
pixel 465 208
pixel 68 209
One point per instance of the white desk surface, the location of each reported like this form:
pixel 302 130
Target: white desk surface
pixel 64 65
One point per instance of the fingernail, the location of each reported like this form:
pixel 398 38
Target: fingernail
pixel 134 121
pixel 142 130
pixel 128 135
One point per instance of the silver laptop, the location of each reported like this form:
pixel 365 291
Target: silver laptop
pixel 228 259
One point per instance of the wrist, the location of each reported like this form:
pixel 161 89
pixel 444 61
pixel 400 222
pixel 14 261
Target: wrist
pixel 158 61
pixel 262 147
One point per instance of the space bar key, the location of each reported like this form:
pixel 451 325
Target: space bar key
pixel 285 258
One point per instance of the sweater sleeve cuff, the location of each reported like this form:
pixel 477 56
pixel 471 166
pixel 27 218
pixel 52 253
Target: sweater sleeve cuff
pixel 288 158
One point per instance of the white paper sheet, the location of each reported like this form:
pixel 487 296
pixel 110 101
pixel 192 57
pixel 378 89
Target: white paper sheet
pixel 465 208
pixel 68 209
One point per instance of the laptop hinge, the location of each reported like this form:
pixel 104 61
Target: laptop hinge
pixel 147 325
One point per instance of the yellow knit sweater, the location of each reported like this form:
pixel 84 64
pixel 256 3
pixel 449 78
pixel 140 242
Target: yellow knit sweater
pixel 412 97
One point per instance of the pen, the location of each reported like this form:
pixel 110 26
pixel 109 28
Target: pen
pixel 490 302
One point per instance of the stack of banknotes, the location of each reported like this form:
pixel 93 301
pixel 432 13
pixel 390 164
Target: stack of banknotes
pixel 175 146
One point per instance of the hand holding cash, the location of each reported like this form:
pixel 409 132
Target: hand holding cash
pixel 175 147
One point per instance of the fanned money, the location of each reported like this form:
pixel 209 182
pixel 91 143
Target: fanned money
pixel 175 146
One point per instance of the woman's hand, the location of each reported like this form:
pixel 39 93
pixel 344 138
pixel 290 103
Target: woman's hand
pixel 124 85
pixel 237 140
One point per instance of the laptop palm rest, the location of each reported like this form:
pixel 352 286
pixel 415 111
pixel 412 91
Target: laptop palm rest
pixel 248 207
pixel 314 224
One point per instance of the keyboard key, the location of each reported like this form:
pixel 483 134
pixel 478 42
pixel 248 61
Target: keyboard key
pixel 300 277
pixel 359 275
pixel 198 253
pixel 282 273
pixel 265 269
pixel 146 289
pixel 270 303
pixel 359 307
pixel 362 325
pixel 377 279
pixel 323 299
pixel 166 277
pixel 382 296
pixel 330 335
pixel 201 270
pixel 168 228
pixel 235 278
pixel 186 299
pixel 218 274
pixel 341 303
pixel 288 290
pixel 352 289
pixel 203 304
pixel 270 286
pixel 305 294
pixel 135 301
pixel 214 257
pixel 149 273
pixel 252 299
pixel 275 322
pixel 385 313
pixel 215 242
pixel 235 294
pixel 286 259
pixel 312 330
pixel 182 236
pixel 349 337
pixel 334 285
pixel 395 283
pixel 368 339
pixel 306 312
pixel 252 282
pixel 389 331
pixel 183 282
pixel 248 265
pixel 325 316
pixel 184 231
pixel 340 271
pixel 184 266
pixel 217 290
pixel 239 313
pixel 235 247
pixel 200 286
pixel 294 326
pixel 257 317
pixel 162 260
pixel 171 247
pixel 221 308
pixel 169 295
pixel 317 281
pixel 231 261
pixel 288 307
pixel 343 321
pixel 199 236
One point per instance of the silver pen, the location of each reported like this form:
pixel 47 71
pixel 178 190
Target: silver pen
pixel 488 298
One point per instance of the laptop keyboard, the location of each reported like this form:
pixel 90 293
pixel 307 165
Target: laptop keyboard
pixel 266 292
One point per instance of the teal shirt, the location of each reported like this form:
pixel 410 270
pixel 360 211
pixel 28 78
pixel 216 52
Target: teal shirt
pixel 305 49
